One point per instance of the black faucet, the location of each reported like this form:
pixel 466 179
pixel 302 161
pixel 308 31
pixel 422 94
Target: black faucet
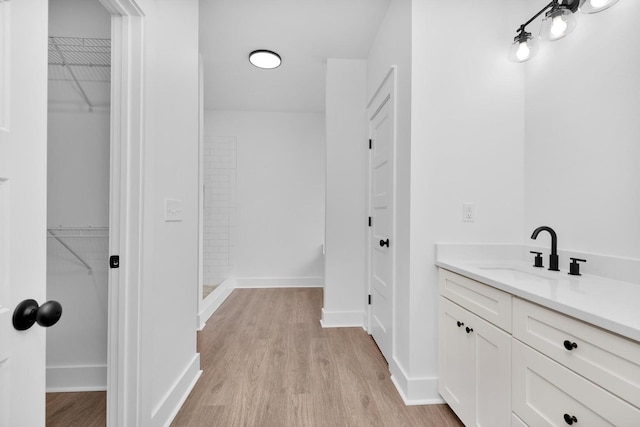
pixel 553 257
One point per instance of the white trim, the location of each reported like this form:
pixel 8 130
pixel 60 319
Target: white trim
pixel 202 304
pixel 213 301
pixel 414 391
pixel 76 378
pixel 342 319
pixel 5 86
pixel 166 411
pixel 123 7
pixel 124 397
pixel 280 282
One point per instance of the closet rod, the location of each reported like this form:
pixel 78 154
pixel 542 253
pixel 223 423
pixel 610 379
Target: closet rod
pixel 72 251
pixel 64 64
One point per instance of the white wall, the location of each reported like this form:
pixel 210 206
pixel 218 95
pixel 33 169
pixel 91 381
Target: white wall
pixel 467 146
pixel 77 196
pixel 460 139
pixel 78 173
pixel 392 46
pixel 582 131
pixel 169 363
pixel 78 18
pixel 345 233
pixel 280 194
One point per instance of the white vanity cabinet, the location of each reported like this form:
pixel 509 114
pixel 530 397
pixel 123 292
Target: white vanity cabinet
pixel 475 354
pixel 567 372
pixel 527 365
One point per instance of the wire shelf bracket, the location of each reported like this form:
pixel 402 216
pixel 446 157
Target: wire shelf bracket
pixel 87 266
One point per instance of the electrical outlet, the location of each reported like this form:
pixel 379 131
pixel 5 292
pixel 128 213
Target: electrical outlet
pixel 468 212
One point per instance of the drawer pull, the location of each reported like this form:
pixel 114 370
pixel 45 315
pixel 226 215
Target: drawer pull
pixel 570 419
pixel 570 345
pixel 459 323
pixel 469 330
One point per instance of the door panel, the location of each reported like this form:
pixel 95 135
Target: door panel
pixel 381 187
pixel 23 167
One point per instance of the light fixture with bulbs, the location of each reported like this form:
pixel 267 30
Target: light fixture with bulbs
pixel 265 59
pixel 559 20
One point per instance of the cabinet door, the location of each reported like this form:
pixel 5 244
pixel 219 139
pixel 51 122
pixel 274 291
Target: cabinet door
pixel 475 367
pixel 456 365
pixel 492 348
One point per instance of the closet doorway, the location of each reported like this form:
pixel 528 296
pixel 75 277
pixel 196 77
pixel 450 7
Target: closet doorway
pixel 78 209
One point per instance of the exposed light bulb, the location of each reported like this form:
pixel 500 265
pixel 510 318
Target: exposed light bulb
pixel 595 6
pixel 598 3
pixel 558 27
pixel 523 52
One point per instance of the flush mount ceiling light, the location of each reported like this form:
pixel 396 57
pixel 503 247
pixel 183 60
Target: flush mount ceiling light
pixel 265 59
pixel 559 20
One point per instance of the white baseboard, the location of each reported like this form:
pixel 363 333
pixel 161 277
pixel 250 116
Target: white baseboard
pixel 76 378
pixel 214 300
pixel 280 282
pixel 414 391
pixel 342 319
pixel 168 408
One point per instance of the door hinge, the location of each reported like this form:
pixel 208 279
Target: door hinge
pixel 369 221
pixel 370 144
pixel 114 261
pixel 369 299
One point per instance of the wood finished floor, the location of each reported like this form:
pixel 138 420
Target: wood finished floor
pixel 86 409
pixel 268 363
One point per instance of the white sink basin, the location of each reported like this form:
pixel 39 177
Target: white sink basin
pixel 513 273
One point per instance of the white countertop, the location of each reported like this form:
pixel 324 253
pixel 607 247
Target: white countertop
pixel 611 304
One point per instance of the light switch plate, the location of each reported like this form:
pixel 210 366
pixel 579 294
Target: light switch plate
pixel 172 210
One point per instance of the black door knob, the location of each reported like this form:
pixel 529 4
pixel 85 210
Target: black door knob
pixel 28 312
pixel 468 329
pixel 384 243
pixel 570 419
pixel 569 345
pixel 459 323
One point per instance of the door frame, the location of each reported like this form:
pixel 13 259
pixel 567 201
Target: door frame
pixel 387 87
pixel 127 158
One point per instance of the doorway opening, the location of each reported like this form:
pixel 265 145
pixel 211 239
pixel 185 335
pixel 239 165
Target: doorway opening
pixel 78 209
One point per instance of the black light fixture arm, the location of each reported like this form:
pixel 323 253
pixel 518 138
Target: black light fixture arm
pixel 572 5
pixel 543 10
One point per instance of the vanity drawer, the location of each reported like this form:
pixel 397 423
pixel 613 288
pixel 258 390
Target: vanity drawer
pixel 544 392
pixel 607 359
pixel 485 301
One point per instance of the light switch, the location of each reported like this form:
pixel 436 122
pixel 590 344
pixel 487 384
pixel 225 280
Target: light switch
pixel 172 210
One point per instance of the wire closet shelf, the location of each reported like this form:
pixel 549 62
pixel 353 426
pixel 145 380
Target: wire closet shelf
pixel 83 60
pixel 79 52
pixel 62 234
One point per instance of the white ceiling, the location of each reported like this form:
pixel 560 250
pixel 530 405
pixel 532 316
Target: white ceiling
pixel 304 32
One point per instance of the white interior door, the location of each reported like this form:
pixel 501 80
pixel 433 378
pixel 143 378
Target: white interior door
pixel 23 168
pixel 381 208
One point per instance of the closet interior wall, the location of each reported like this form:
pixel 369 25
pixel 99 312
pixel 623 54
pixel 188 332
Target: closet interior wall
pixel 78 193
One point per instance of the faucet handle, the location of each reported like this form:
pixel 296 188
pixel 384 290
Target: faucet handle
pixel 538 259
pixel 574 267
